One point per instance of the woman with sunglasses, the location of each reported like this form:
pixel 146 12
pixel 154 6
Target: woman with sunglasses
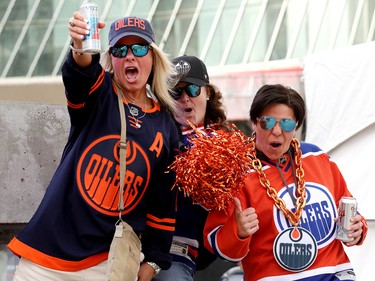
pixel 70 235
pixel 282 225
pixel 199 103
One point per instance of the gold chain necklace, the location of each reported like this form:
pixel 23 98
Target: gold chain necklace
pixel 271 192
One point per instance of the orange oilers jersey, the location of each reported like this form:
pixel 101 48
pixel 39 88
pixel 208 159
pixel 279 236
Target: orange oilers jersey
pixel 325 186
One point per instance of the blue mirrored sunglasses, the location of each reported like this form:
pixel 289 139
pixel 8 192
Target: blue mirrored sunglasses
pixel 268 122
pixel 138 50
pixel 191 90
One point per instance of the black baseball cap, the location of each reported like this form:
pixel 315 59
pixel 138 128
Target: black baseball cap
pixel 130 26
pixel 191 70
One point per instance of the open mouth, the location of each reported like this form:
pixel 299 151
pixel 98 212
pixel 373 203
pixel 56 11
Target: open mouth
pixel 188 110
pixel 275 144
pixel 131 73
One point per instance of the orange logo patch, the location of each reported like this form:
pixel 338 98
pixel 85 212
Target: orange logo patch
pixel 98 175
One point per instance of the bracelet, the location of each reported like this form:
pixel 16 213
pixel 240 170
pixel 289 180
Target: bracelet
pixel 77 51
pixel 156 268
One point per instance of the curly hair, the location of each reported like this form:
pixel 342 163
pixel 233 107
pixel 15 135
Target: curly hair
pixel 215 112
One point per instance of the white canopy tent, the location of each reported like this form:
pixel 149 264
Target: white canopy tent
pixel 340 99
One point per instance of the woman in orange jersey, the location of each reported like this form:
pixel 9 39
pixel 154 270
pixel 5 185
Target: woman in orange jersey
pixel 283 223
pixel 70 234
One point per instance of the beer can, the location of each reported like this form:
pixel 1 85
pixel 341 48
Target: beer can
pixel 347 210
pixel 91 41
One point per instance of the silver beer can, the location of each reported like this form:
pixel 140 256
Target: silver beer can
pixel 347 210
pixel 91 41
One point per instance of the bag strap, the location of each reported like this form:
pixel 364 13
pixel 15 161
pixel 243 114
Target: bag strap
pixel 123 148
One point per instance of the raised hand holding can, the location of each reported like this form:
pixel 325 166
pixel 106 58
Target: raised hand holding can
pixel 91 41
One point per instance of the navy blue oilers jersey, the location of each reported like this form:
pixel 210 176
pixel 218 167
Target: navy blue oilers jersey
pixel 73 227
pixel 191 218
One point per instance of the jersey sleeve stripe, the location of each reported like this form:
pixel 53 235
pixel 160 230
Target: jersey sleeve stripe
pixel 160 226
pixel 98 82
pixel 75 106
pixel 164 220
pixel 213 243
pixel 21 249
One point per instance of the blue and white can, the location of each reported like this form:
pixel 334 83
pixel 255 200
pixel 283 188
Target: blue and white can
pixel 91 41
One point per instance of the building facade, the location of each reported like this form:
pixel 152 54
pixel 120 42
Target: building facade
pixel 245 44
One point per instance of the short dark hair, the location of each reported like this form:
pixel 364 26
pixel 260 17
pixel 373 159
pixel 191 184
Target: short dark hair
pixel 278 94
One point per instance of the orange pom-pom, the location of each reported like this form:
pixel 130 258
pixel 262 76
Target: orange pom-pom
pixel 211 170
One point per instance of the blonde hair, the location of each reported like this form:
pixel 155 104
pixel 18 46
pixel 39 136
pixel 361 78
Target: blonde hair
pixel 162 77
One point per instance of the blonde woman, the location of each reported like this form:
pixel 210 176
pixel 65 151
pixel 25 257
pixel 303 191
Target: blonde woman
pixel 69 236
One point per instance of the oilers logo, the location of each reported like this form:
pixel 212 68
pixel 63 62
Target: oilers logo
pixel 182 67
pixel 98 175
pixel 295 248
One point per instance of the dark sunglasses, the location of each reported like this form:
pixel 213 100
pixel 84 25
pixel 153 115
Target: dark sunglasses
pixel 191 90
pixel 268 122
pixel 138 50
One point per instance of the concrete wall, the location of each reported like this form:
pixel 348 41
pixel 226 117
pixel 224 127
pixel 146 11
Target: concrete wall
pixel 39 90
pixel 34 127
pixel 32 138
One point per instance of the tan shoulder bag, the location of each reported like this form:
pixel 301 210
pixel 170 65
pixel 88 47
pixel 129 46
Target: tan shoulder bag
pixel 125 252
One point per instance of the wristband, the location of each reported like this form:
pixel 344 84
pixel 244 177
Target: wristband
pixel 77 51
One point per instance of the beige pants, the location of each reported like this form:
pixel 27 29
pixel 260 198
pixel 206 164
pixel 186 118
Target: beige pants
pixel 29 271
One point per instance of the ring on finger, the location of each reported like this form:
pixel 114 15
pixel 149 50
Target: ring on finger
pixel 71 22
